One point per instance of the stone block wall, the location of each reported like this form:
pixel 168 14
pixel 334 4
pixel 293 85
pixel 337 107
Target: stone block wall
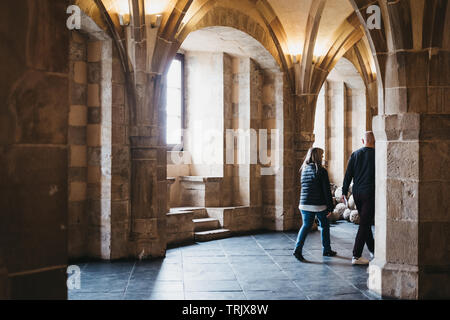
pixel 256 83
pixel 275 107
pixel 337 138
pixel 227 188
pixel 34 148
pixel 269 116
pixel 120 162
pixel 99 161
pixel 241 121
pixel 246 121
pixel 356 119
pixel 99 148
pixel 412 252
pixel 288 216
pixel 78 169
pixel 178 165
pixel 180 227
pixel 238 219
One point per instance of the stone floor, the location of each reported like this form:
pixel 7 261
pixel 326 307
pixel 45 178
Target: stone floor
pixel 252 267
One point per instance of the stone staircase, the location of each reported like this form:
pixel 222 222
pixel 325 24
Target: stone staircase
pixel 205 227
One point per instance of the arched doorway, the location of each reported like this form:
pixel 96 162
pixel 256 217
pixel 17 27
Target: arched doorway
pixel 341 117
pixel 224 175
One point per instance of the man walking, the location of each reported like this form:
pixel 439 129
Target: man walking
pixel 361 168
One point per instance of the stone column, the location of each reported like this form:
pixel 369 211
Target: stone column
pixel 242 125
pixel 336 95
pixel 148 151
pixel 276 194
pixel 412 223
pixel 99 148
pixel 120 163
pixel 256 79
pixel 303 140
pixel 34 148
pixel 77 226
pixel 228 106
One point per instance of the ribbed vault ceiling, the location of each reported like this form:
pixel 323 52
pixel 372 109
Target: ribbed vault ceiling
pixel 293 15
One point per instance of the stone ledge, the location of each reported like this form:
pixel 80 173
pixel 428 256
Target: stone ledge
pixel 171 180
pixel 200 179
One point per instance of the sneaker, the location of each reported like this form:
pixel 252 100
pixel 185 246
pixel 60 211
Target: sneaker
pixel 299 256
pixel 330 253
pixel 360 261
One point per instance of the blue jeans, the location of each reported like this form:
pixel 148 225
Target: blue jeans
pixel 308 221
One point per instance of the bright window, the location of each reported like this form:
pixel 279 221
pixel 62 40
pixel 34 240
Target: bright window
pixel 175 102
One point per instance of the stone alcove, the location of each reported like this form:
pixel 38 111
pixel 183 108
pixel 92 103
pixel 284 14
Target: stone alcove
pixel 218 173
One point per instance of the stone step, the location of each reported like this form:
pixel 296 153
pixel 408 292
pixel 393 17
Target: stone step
pixel 231 218
pixel 199 212
pixel 206 224
pixel 212 235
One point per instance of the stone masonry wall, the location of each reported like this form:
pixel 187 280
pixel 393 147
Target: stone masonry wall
pixel 34 147
pixel 78 115
pixel 120 162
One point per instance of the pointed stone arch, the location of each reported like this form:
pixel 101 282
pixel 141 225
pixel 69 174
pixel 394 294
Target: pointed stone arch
pixel 261 23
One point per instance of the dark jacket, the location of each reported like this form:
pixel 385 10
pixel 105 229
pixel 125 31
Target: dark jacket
pixel 316 189
pixel 361 168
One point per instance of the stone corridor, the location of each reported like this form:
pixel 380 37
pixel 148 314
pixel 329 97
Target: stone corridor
pixel 102 141
pixel 251 267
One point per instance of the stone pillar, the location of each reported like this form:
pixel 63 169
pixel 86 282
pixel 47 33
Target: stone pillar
pixel 34 148
pixel 228 106
pixel 77 227
pixel 356 115
pixel 276 103
pixel 148 151
pixel 336 95
pixel 120 163
pixel 412 252
pixel 256 79
pixel 303 139
pixel 243 140
pixel 287 217
pixel 99 148
pixel 371 103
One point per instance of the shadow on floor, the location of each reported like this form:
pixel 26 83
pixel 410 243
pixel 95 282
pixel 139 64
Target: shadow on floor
pixel 249 267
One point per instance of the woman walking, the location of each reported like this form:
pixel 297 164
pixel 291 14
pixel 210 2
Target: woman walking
pixel 315 200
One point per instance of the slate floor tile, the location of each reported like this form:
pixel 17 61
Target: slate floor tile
pixel 267 285
pixel 205 259
pixel 212 285
pixel 235 295
pixel 276 295
pixel 143 286
pixel 254 267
